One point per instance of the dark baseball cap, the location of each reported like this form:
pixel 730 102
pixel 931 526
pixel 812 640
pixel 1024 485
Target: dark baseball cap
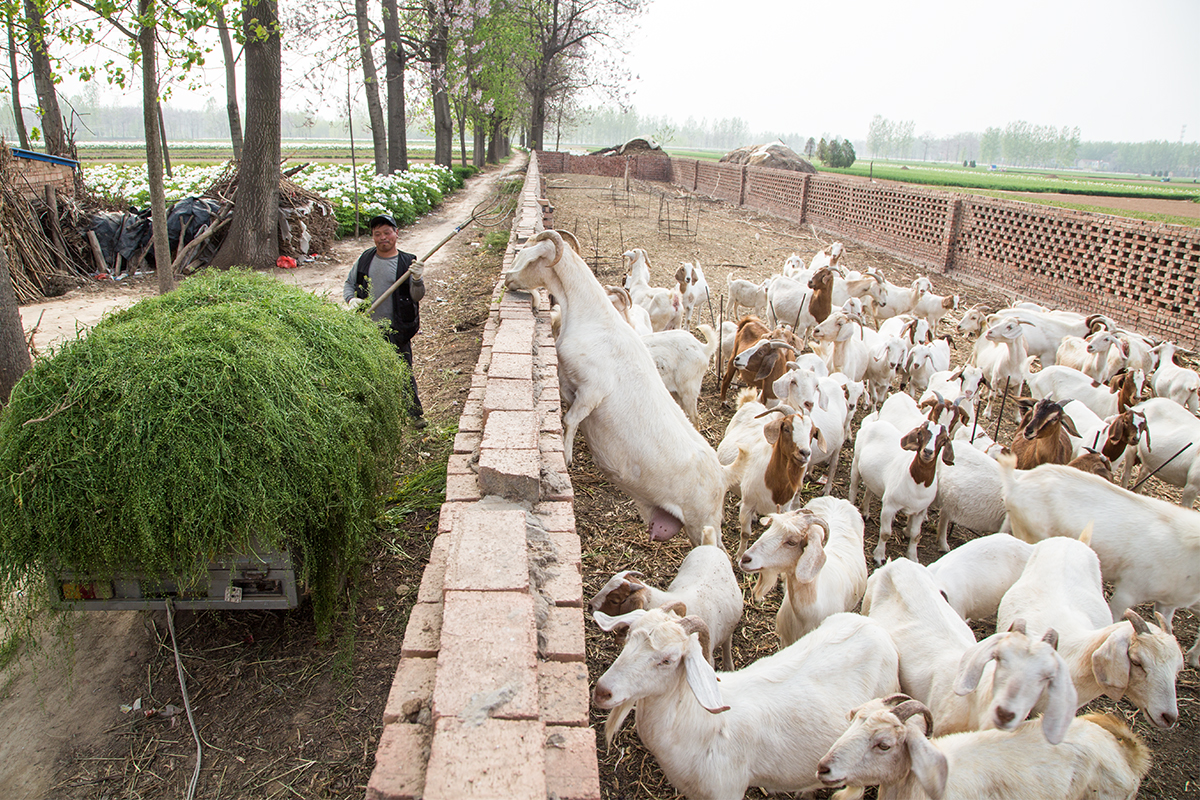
pixel 383 219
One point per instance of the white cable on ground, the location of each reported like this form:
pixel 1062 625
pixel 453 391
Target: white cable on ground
pixel 187 704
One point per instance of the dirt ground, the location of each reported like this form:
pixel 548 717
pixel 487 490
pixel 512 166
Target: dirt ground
pixel 1177 208
pixel 282 714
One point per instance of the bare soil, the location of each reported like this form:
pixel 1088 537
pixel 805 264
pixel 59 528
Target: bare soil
pixel 284 715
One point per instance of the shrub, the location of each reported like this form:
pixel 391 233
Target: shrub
pixel 234 409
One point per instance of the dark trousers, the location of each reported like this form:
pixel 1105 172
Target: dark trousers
pixel 403 347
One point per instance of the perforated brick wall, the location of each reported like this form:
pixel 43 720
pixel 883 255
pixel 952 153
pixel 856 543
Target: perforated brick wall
pixel 722 181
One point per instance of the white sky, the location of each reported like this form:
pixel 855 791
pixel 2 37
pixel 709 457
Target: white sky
pixel 1123 70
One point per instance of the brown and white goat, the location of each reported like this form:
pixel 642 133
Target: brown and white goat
pixel 762 360
pixel 1042 435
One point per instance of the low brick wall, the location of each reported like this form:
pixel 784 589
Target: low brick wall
pixel 490 698
pixel 1143 274
pixel 30 176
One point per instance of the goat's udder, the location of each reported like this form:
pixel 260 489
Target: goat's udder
pixel 663 525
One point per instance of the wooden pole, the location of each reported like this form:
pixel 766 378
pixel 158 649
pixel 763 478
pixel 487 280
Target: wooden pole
pixel 60 247
pixel 97 253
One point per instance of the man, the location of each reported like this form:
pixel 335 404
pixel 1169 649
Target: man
pixel 378 267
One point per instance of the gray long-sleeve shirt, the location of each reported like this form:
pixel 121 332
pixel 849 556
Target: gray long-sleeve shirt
pixel 382 274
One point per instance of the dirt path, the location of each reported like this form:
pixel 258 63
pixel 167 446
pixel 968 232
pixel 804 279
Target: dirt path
pixel 51 710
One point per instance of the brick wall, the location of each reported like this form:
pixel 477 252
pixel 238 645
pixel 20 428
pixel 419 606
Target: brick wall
pixel 490 698
pixel 643 166
pixel 30 176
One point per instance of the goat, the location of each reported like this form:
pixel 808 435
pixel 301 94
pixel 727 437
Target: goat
pixel 705 585
pixel 887 744
pixel 1149 549
pixel 974 576
pixel 902 483
pixel 924 361
pixel 869 289
pixel 801 305
pixel 637 317
pixel 1065 383
pixel 638 435
pixel 974 320
pixel 850 354
pixel 1045 328
pixel 823 400
pixel 970 492
pixel 931 307
pixel 681 361
pixel 750 330
pixel 1090 355
pixel 664 305
pixel 828 257
pixel 776 458
pixel 902 299
pixel 884 361
pixel 765 361
pixel 693 288
pixel 1106 438
pixel 745 293
pixel 943 666
pixel 1171 380
pixel 1043 435
pixel 1060 589
pixel 1093 463
pixel 1173 428
pixel 1001 353
pixel 818 550
pixel 765 725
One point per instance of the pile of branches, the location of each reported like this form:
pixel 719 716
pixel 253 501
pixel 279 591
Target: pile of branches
pixel 39 268
pixel 307 224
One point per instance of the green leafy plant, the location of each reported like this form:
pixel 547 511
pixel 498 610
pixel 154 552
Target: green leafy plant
pixel 234 410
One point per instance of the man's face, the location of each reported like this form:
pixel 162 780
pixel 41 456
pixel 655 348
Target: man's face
pixel 385 239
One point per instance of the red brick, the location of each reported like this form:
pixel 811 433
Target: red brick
pixel 490 554
pixel 516 366
pixel 515 474
pixel 508 395
pixel 467 442
pixel 411 688
pixel 462 488
pixel 510 430
pixel 460 464
pixel 556 516
pixel 498 760
pixel 563 692
pixel 422 637
pixel 563 631
pixel 399 772
pixel 433 579
pixel 514 336
pixel 471 420
pixel 487 662
pixel 572 772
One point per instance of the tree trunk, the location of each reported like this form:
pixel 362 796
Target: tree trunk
pixel 537 110
pixel 231 102
pixel 15 83
pixel 443 124
pixel 14 352
pixel 462 132
pixel 394 75
pixel 495 144
pixel 43 80
pixel 479 154
pixel 154 158
pixel 253 237
pixel 371 84
pixel 162 134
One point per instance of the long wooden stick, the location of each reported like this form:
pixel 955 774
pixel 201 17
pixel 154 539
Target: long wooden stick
pixel 1134 488
pixel 1000 416
pixel 388 292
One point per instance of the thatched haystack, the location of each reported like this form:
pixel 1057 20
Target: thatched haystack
pixel 775 155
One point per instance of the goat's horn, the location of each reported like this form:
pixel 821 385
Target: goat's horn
pixel 1050 637
pixel 693 624
pixel 1139 624
pixel 911 707
pixel 893 700
pixel 1017 626
pixel 780 409
pixel 814 519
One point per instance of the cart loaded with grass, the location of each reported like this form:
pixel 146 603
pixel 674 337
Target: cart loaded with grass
pixel 227 442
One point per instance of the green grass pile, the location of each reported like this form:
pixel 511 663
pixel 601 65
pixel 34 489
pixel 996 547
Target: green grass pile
pixel 234 409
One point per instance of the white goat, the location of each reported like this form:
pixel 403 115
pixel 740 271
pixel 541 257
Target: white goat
pixel 664 305
pixel 1045 329
pixel 1171 429
pixel 693 288
pixel 902 299
pixel 942 666
pixel 823 400
pixel 744 293
pixel 1060 589
pixel 637 317
pixel 901 481
pixel 1149 549
pixel 818 550
pixel 868 289
pixel 1065 383
pixel 1001 353
pixel 766 725
pixel 1091 355
pixel 974 320
pixel 885 359
pixel 1171 380
pixel 887 744
pixel 850 354
pixel 923 362
pixel 682 360
pixel 970 493
pixel 932 307
pixel 705 585
pixel 639 437
pixel 776 454
pixel 828 257
pixel 974 576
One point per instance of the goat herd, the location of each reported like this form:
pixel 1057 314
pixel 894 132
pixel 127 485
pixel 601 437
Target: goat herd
pixel 879 680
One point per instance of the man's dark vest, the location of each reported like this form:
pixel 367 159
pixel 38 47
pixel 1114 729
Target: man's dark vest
pixel 406 313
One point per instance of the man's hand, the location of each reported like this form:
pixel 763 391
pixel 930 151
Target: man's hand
pixel 353 303
pixel 416 270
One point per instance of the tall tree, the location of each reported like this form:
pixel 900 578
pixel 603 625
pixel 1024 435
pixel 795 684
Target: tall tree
pixel 439 13
pixel 366 39
pixel 394 64
pixel 231 100
pixel 14 351
pixel 53 132
pixel 154 151
pixel 14 75
pixel 253 237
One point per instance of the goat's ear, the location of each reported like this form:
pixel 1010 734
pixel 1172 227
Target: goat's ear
pixel 970 667
pixel 677 607
pixel 771 429
pixel 702 678
pixel 911 440
pixel 1110 662
pixel 811 561
pixel 947 452
pixel 766 364
pixel 1066 422
pixel 611 624
pixel 1061 701
pixel 929 765
pixel 1026 404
